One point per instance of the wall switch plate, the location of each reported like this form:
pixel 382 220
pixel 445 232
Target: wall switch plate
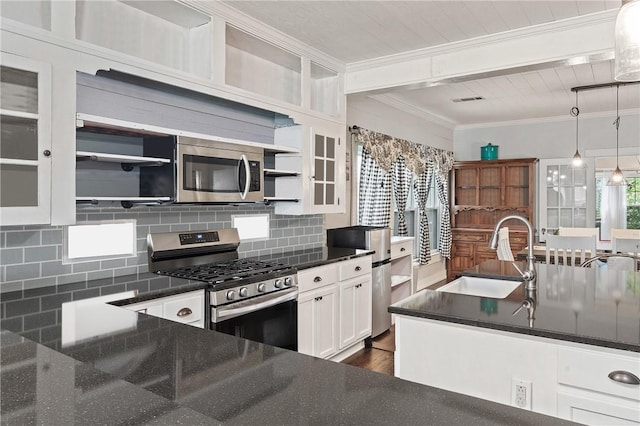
pixel 521 393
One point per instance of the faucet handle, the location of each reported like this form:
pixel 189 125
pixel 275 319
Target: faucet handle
pixel 526 303
pixel 526 275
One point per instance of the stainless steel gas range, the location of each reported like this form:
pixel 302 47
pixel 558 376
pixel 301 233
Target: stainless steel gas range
pixel 248 298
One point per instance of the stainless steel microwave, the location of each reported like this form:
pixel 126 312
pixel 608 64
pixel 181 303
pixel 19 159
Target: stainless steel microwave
pixel 218 172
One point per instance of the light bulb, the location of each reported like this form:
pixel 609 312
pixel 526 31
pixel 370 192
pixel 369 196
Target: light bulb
pixel 577 160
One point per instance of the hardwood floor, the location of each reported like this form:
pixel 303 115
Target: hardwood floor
pixel 379 357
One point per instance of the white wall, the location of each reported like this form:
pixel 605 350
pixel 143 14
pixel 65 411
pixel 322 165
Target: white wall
pixel 374 115
pixel 554 138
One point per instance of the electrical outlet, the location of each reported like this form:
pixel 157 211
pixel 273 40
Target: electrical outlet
pixel 521 393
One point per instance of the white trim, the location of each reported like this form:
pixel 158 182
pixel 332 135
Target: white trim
pixel 584 21
pixel 557 118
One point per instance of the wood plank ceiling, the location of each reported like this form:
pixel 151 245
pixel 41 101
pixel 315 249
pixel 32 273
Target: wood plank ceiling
pixel 353 31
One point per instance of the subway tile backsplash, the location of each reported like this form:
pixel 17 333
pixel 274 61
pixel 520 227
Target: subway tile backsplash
pixel 31 256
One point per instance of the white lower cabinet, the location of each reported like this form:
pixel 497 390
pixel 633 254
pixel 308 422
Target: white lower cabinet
pixel 318 322
pixel 334 307
pixel 586 393
pixel 355 310
pixel 567 380
pixel 186 308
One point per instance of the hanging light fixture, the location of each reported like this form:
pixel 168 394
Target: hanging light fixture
pixel 627 35
pixel 577 158
pixel 617 178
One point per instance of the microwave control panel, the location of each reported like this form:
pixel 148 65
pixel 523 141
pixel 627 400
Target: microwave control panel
pixel 254 172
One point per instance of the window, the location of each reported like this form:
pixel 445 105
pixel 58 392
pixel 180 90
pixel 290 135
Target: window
pixel 628 209
pixel 251 227
pixel 412 216
pixel 108 239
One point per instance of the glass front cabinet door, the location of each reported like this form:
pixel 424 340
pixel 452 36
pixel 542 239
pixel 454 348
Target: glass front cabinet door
pixel 327 173
pixel 567 195
pixel 25 148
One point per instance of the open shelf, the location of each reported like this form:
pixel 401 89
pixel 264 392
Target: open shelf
pixel 397 280
pixel 117 158
pixel 280 173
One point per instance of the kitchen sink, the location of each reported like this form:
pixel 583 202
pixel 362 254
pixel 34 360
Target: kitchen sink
pixel 483 287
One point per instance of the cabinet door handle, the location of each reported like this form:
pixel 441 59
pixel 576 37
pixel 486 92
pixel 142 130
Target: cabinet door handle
pixel 403 249
pixel 184 312
pixel 624 377
pixel 358 268
pixel 317 279
pixel 319 298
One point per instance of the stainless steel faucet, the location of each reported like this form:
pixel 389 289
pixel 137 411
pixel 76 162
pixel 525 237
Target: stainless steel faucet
pixel 529 274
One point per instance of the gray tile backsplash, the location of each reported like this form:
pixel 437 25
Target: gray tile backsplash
pixel 31 256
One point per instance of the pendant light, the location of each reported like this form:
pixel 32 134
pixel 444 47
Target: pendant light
pixel 577 158
pixel 627 36
pixel 617 178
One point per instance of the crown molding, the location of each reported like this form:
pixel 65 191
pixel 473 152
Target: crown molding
pixel 549 27
pixel 554 119
pixel 409 108
pixel 264 32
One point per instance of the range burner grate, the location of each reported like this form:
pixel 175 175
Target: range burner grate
pixel 226 271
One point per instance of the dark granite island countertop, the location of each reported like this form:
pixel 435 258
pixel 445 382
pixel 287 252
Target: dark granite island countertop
pixel 147 370
pixel 586 305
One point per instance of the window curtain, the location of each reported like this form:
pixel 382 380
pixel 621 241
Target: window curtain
pixel 444 239
pixel 421 188
pixel 374 198
pixel 613 210
pixel 382 151
pixel 402 178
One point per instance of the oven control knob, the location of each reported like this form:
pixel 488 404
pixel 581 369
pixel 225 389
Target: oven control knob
pixel 278 284
pixel 243 292
pixel 288 281
pixel 231 295
pixel 261 287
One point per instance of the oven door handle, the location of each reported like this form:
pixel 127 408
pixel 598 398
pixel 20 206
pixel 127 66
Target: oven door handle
pixel 247 174
pixel 222 313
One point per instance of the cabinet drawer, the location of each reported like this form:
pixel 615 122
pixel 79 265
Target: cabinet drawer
pixel 469 236
pixel 401 249
pixel 311 278
pixel 185 309
pixel 590 370
pixel 354 267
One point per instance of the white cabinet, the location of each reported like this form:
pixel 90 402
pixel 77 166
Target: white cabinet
pixel 568 380
pixel 355 300
pixel 355 310
pixel 587 394
pixel 401 268
pixel 186 308
pixel 25 152
pixel 318 322
pixel 320 165
pixel 334 307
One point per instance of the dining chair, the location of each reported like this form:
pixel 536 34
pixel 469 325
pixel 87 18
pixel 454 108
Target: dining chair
pixel 572 250
pixel 577 232
pixel 625 241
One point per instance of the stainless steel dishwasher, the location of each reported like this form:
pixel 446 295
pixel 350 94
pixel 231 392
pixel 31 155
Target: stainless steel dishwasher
pixel 371 238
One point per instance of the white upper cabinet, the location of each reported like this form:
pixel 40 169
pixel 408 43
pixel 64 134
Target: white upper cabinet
pixel 320 186
pixel 25 152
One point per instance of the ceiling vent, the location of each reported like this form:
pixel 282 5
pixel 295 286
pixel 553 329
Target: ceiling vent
pixel 474 98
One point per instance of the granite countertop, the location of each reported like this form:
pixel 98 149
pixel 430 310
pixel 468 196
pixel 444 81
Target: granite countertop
pixel 131 368
pixel 586 305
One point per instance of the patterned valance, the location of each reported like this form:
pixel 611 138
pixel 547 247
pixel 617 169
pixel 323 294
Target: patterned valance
pixel 386 149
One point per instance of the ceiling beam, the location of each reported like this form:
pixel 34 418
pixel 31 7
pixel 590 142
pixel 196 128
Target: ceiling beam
pixel 573 41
